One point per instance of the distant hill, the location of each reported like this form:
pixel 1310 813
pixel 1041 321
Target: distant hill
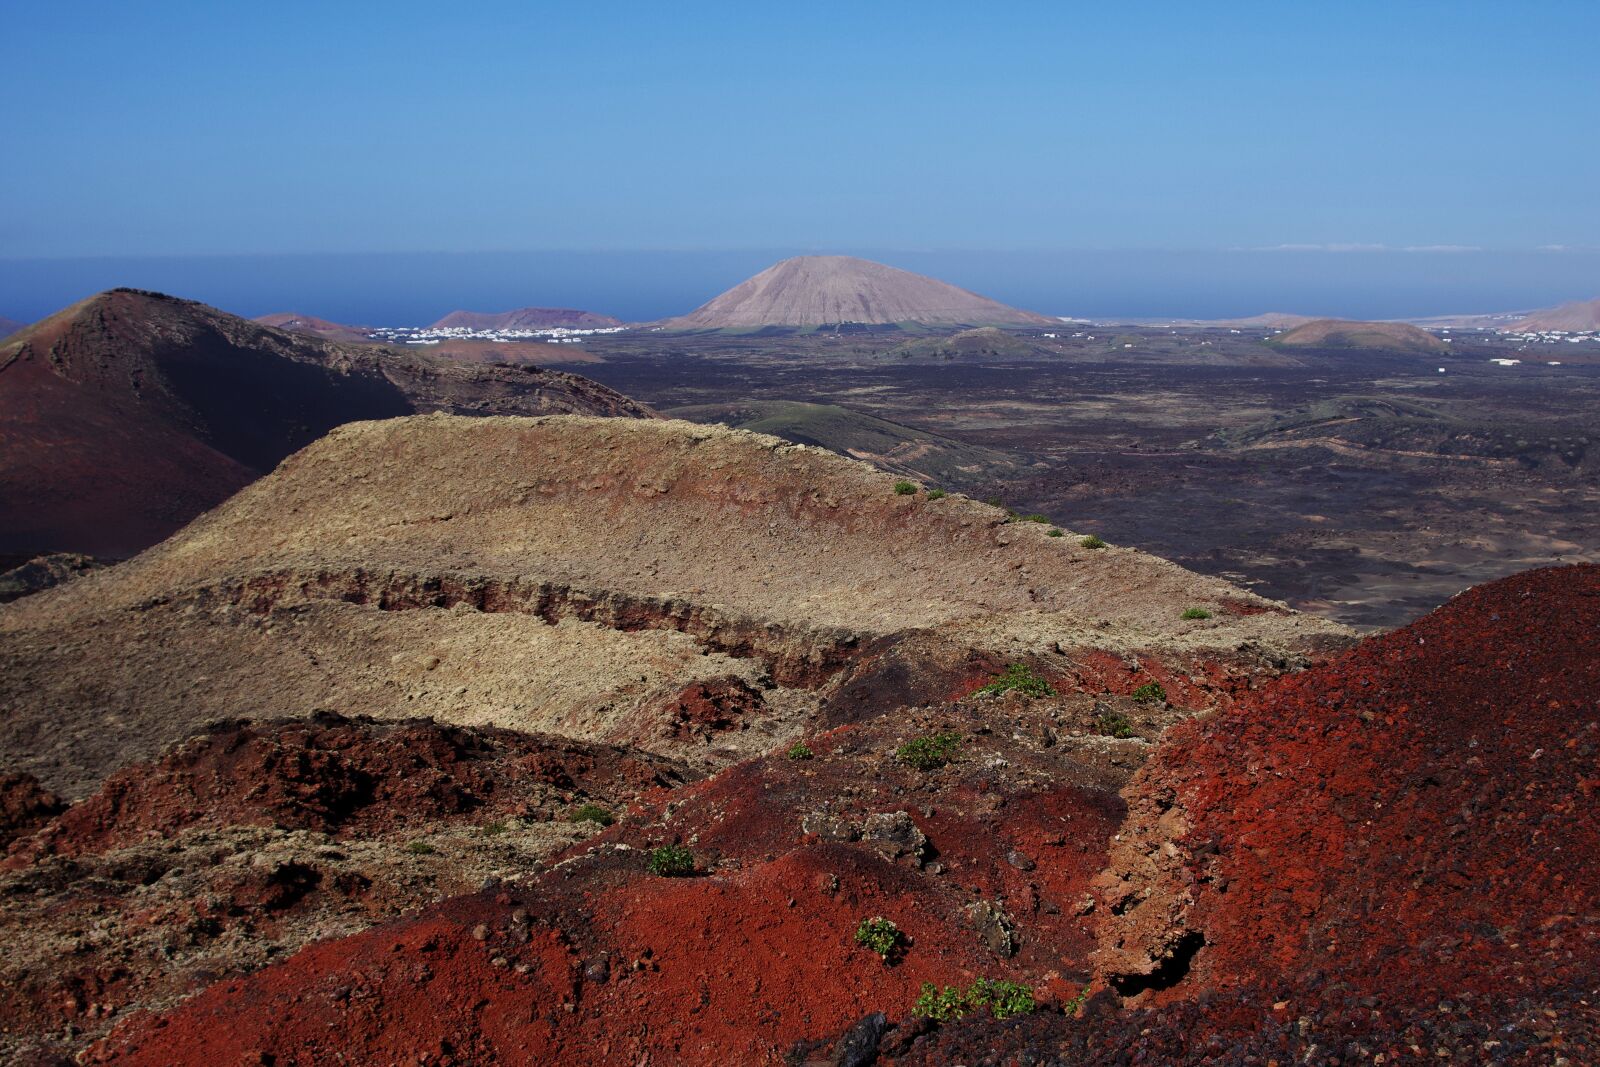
pixel 1580 316
pixel 128 414
pixel 814 291
pixel 9 327
pixel 313 327
pixel 1340 333
pixel 1271 320
pixel 985 342
pixel 939 460
pixel 525 319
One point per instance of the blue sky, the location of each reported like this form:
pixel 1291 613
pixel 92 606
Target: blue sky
pixel 188 129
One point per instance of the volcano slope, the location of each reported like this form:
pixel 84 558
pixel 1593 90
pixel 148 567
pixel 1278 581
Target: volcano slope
pixel 1286 884
pixel 1392 855
pixel 124 416
pixel 708 590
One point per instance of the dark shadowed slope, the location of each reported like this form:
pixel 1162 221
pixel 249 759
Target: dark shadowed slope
pixel 126 415
pixel 811 291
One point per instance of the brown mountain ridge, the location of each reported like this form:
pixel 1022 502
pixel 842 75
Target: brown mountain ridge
pixel 127 414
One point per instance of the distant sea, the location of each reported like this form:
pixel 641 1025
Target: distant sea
pixel 402 289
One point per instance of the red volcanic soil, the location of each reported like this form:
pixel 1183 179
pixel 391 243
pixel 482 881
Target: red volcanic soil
pixel 983 865
pixel 1418 816
pixel 337 775
pixel 1389 854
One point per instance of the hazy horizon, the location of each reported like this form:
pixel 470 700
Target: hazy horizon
pixel 420 287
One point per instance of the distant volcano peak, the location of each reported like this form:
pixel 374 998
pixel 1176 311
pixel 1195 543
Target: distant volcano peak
pixel 811 291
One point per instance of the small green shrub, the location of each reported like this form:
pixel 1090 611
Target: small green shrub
pixel 1196 613
pixel 671 861
pixel 593 813
pixel 1150 693
pixel 421 848
pixel 881 936
pixel 1053 533
pixel 1036 518
pixel 904 488
pixel 937 494
pixel 800 750
pixel 1002 999
pixel 1113 724
pixel 931 752
pixel 1092 542
pixel 940 1005
pixel 495 829
pixel 1020 677
pixel 1071 1007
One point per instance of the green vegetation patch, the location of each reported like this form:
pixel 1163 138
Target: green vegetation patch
pixel 799 751
pixel 904 488
pixel 1150 693
pixel 593 813
pixel 671 861
pixel 421 848
pixel 1196 613
pixel 1001 998
pixel 1113 724
pixel 1092 542
pixel 937 494
pixel 1053 532
pixel 930 752
pixel 881 936
pixel 1021 678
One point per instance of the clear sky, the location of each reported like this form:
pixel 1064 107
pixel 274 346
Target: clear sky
pixel 167 128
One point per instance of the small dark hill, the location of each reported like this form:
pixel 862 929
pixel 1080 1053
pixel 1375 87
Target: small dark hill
pixel 988 342
pixel 130 413
pixel 1383 336
pixel 314 327
pixel 525 319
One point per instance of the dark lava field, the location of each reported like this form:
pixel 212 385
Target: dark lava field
pixel 1365 486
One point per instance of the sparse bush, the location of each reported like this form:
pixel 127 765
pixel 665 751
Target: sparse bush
pixel 671 861
pixel 940 1005
pixel 904 488
pixel 420 848
pixel 593 813
pixel 1053 533
pixel 800 750
pixel 1150 693
pixel 495 829
pixel 1196 613
pixel 1002 999
pixel 1019 677
pixel 1092 542
pixel 937 494
pixel 881 936
pixel 931 752
pixel 1036 518
pixel 1113 724
pixel 1072 1006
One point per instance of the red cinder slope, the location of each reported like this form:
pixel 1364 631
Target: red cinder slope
pixel 1416 820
